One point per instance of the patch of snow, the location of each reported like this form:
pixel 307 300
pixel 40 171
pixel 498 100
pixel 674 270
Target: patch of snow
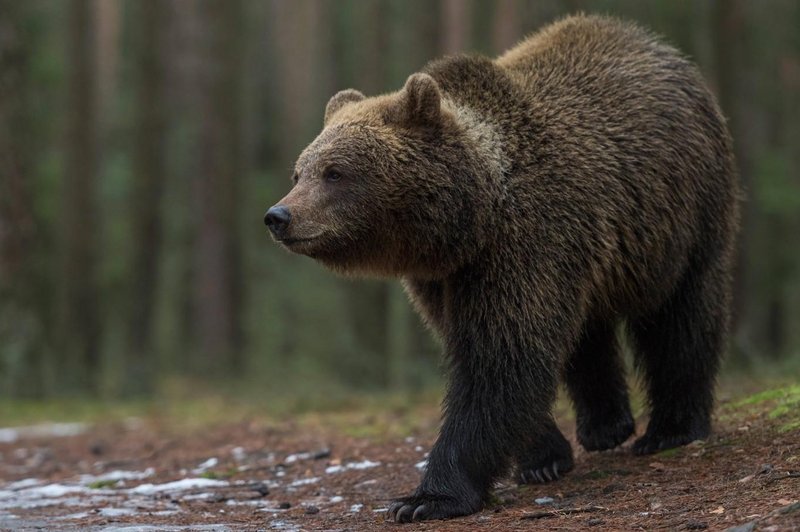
pixel 544 500
pixel 421 465
pixel 280 524
pixel 51 490
pixel 238 453
pixel 356 508
pixel 117 475
pixel 304 482
pixel 79 515
pixel 366 464
pixel 116 512
pixel 178 485
pixel 380 510
pixel 208 464
pixel 336 499
pixel 24 483
pixel 45 430
pixel 234 502
pixel 418 448
pixel 292 458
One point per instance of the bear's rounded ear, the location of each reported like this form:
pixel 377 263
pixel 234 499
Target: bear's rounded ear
pixel 423 99
pixel 339 100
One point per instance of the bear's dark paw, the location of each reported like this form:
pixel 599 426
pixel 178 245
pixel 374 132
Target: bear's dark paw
pixel 545 472
pixel 659 441
pixel 428 507
pixel 599 436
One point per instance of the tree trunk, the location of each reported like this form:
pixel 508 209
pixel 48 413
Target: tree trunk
pixel 148 183
pixel 21 334
pixel 456 25
pixel 506 26
pixel 217 250
pixel 728 22
pixel 78 316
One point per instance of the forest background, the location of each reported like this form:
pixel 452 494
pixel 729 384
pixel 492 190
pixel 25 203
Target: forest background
pixel 141 142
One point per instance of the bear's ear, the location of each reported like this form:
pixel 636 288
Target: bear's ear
pixel 423 100
pixel 339 100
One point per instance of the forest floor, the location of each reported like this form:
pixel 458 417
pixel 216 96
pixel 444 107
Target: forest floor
pixel 339 471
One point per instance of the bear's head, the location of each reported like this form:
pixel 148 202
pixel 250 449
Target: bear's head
pixel 393 186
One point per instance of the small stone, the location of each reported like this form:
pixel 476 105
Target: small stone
pixel 97 448
pixel 544 500
pixel 595 522
pixel 284 506
pixel 217 497
pixel 261 488
pixel 320 454
pixel 311 510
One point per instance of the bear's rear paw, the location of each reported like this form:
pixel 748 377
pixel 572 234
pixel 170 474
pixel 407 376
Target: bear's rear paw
pixel 539 474
pixel 655 441
pixel 426 507
pixel 605 434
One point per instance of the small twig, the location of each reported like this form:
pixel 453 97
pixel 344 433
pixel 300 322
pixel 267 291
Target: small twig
pixel 565 511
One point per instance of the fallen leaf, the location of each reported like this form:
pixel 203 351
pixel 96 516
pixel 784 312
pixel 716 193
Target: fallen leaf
pixel 719 510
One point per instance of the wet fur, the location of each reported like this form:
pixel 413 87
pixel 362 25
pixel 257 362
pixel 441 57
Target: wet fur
pixel 530 204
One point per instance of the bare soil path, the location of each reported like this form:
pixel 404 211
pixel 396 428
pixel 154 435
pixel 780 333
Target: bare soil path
pixel 142 475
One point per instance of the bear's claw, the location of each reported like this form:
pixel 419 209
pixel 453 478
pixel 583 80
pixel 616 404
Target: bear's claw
pixel 545 473
pixel 426 507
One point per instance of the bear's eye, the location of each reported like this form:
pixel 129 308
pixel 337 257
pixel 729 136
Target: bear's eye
pixel 331 174
pixel 295 178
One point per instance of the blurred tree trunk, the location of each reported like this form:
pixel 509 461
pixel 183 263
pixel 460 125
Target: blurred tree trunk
pixel 108 18
pixel 217 293
pixel 728 21
pixel 506 26
pixel 298 65
pixel 456 25
pixel 21 334
pixel 79 329
pixel 148 184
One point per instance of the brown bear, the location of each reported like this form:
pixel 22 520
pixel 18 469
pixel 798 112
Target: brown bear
pixel 530 204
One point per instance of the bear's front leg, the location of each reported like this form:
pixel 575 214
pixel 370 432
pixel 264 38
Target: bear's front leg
pixel 460 468
pixel 502 386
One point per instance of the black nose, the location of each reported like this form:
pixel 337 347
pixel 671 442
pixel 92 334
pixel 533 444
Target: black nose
pixel 277 219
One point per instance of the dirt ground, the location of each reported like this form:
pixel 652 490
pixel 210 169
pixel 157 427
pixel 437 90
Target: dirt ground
pixel 308 474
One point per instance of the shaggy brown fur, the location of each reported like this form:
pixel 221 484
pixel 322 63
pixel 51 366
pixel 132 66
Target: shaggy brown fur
pixel 529 204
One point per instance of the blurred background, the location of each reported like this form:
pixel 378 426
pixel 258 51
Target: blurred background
pixel 141 142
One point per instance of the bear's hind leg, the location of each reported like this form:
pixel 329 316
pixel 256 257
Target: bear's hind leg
pixel 595 379
pixel 547 458
pixel 679 348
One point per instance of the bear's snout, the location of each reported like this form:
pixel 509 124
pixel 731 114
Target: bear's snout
pixel 277 219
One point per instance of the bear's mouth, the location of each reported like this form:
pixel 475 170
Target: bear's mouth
pixel 293 241
pixel 299 244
